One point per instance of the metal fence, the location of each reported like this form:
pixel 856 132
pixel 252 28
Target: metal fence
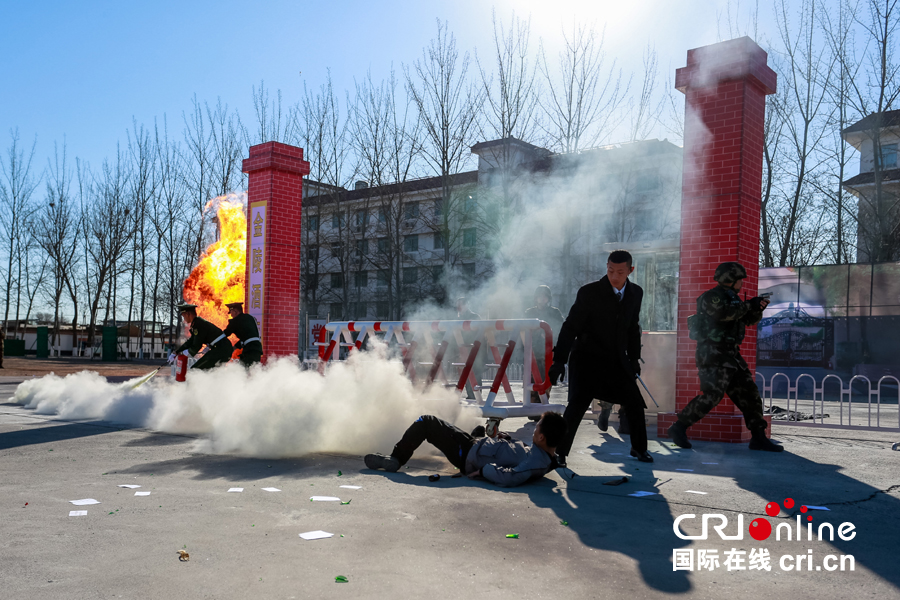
pixel 858 404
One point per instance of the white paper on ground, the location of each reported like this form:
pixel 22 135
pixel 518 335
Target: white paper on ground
pixel 642 494
pixel 77 513
pixel 271 490
pixel 235 489
pixel 710 463
pixel 324 499
pixel 142 493
pixel 818 508
pixel 84 502
pixel 694 492
pixel 316 535
pixel 130 487
pixel 689 470
pixel 352 487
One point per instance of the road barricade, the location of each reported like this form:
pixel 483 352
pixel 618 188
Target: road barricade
pixel 426 347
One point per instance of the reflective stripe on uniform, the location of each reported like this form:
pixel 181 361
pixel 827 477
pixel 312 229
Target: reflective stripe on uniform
pixel 253 339
pixel 217 340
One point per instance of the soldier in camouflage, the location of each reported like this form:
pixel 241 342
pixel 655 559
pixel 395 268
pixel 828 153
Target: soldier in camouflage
pixel 244 327
pixel 718 328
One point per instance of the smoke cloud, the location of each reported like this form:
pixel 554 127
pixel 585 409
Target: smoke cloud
pixel 278 410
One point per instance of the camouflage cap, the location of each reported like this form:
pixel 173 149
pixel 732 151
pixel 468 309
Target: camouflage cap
pixel 729 272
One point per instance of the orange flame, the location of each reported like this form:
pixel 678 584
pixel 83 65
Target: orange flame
pixel 218 277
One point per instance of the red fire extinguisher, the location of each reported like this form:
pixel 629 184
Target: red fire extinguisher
pixel 181 367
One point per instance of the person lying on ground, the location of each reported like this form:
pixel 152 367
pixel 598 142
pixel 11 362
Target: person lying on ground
pixel 501 460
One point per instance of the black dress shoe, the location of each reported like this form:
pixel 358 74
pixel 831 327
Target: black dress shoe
pixel 603 419
pixel 561 462
pixel 642 456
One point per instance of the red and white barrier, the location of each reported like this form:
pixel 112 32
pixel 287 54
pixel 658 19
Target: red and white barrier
pixel 431 340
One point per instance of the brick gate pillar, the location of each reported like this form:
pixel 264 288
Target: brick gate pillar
pixel 274 194
pixel 725 87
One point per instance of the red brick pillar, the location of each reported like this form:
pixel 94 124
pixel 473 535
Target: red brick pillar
pixel 274 193
pixel 725 87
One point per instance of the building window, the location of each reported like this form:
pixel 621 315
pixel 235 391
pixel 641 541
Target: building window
pixel 437 273
pixel 889 156
pixel 440 238
pixel 411 243
pixel 360 218
pixel 410 275
pixel 468 270
pixel 336 248
pixel 382 245
pixel 411 210
pixel 358 310
pixel 310 280
pixel 336 311
pixel 646 182
pixel 361 279
pixel 382 215
pixel 362 247
pixel 312 253
pixel 470 203
pixel 381 310
pixel 312 222
pixel 337 220
pixel 383 277
pixel 337 280
pixel 438 208
pixel 469 237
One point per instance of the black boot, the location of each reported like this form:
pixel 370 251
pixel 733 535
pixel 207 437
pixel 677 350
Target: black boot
pixel 678 435
pixel 624 426
pixel 603 419
pixel 759 441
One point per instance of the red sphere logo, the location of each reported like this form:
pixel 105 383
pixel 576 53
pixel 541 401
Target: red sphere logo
pixel 760 529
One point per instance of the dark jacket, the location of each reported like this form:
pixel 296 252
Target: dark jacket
pixel 508 463
pixel 244 328
pixel 202 333
pixel 600 339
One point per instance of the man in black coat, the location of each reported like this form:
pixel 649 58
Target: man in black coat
pixel 603 334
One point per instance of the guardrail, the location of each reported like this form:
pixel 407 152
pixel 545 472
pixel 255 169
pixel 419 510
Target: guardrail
pixel 844 403
pixel 424 346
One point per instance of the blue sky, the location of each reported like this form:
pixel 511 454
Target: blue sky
pixel 83 70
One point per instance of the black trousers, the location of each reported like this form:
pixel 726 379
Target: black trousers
pixel 580 401
pixel 452 441
pixel 218 354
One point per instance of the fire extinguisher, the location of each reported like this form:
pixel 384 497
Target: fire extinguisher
pixel 181 367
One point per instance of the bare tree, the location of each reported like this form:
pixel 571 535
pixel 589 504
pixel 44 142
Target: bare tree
pixel 17 186
pixel 583 96
pixel 272 124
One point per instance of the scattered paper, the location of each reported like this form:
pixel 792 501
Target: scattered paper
pixel 316 535
pixel 77 513
pixel 236 490
pixel 642 494
pixel 710 463
pixel 324 499
pixel 271 490
pixel 129 486
pixel 142 493
pixel 352 487
pixel 818 508
pixel 689 470
pixel 694 492
pixel 84 502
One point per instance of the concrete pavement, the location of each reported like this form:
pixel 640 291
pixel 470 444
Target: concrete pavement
pixel 404 536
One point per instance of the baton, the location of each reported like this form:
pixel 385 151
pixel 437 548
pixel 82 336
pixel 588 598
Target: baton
pixel 648 391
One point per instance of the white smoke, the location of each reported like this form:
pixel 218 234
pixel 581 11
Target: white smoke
pixel 278 410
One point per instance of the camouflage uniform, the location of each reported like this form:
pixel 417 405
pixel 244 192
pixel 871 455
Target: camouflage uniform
pixel 722 317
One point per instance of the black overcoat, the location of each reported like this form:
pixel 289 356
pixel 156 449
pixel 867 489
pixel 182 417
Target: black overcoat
pixel 599 339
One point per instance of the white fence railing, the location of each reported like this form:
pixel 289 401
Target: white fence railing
pixel 878 409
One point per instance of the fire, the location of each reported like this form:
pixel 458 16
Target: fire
pixel 218 277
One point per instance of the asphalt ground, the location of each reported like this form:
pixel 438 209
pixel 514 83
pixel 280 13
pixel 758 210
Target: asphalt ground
pixel 403 536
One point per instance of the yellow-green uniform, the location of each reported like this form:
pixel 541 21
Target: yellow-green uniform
pixel 244 327
pixel 204 332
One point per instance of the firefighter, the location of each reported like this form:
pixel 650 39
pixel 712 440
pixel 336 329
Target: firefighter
pixel 203 332
pixel 244 327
